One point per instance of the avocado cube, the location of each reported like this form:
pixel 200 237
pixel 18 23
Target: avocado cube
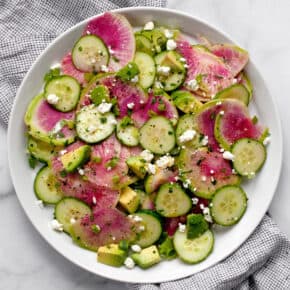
pixel 137 165
pixel 172 61
pixel 111 255
pixel 76 158
pixel 129 199
pixel 147 257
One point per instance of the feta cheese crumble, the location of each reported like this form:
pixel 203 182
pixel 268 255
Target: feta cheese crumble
pixel 39 203
pixel 181 227
pixel 171 44
pixel 168 33
pixel 151 168
pixel 163 70
pixel 52 99
pixel 94 200
pixel 81 171
pixel 142 228
pixel 186 183
pixel 104 68
pixel 56 225
pixel 57 127
pixel 130 106
pixel 211 171
pixel 72 221
pixel 135 79
pixel 147 155
pixel 195 200
pixel 136 248
pixel 222 113
pixel 104 107
pixel 165 161
pixel 158 85
pixel 55 65
pixel 182 59
pixel 203 178
pixel 187 136
pixel 129 263
pixel 193 85
pixel 267 141
pixel 62 152
pixel 149 25
pixel 228 155
pixel 135 218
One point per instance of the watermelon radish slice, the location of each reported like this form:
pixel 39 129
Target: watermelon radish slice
pixel 207 171
pixel 68 68
pixel 213 74
pixel 101 173
pixel 235 57
pixel 171 224
pixel 158 104
pixel 235 124
pixel 125 93
pixel 117 33
pixel 114 227
pixel 49 125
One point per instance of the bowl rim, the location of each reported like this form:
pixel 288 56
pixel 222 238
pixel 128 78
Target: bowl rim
pixel 181 14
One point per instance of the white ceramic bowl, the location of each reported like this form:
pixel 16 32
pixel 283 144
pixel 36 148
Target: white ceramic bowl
pixel 260 190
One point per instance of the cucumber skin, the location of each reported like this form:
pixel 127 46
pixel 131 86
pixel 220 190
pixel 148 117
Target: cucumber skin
pixel 199 261
pixel 235 221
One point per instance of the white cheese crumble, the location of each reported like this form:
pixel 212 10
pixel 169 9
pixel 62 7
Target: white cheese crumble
pixel 163 70
pixel 203 178
pixel 158 85
pixel 211 171
pixel 201 206
pixel 56 225
pixel 208 218
pixel 135 79
pixel 57 127
pixel 171 44
pixel 235 81
pixel 147 155
pixel 193 84
pixel 104 68
pixel 186 183
pixel 52 99
pixel 182 59
pixel 130 105
pixel 136 248
pixel 39 203
pixel 142 228
pixel 267 141
pixel 109 168
pixel 81 171
pixel 135 218
pixel 62 152
pixel 234 171
pixel 55 65
pixel 104 107
pixel 168 33
pixel 165 161
pixel 195 200
pixel 222 113
pixel 228 155
pixel 113 238
pixel 72 221
pixel 176 178
pixel 151 168
pixel 181 227
pixel 129 263
pixel 111 51
pixel 206 211
pixel 219 103
pixel 187 136
pixel 222 150
pixel 149 25
pixel 186 65
pixel 94 200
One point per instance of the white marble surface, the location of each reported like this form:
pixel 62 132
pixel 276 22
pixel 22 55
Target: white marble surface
pixel 262 27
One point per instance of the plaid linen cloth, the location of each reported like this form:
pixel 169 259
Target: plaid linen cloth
pixel 26 28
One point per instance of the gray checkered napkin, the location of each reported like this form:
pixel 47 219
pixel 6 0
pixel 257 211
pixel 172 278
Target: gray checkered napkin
pixel 26 28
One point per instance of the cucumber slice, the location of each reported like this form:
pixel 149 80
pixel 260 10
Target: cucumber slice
pixel 146 66
pixel 177 72
pixel 69 210
pixel 186 102
pixel 157 135
pixel 128 135
pixel 46 186
pixel 250 156
pixel 67 89
pixel 228 205
pixel 41 150
pixel 172 201
pixel 92 126
pixel 247 83
pixel 193 251
pixel 143 44
pixel 188 122
pixel 237 91
pixel 90 53
pixel 153 229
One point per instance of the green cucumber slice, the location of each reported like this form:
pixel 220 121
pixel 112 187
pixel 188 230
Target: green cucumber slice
pixel 41 150
pixel 146 66
pixel 237 91
pixel 128 135
pixel 250 156
pixel 228 205
pixel 92 126
pixel 90 53
pixel 66 89
pixel 177 72
pixel 172 201
pixel 153 229
pixel 69 210
pixel 195 250
pixel 247 83
pixel 46 186
pixel 157 135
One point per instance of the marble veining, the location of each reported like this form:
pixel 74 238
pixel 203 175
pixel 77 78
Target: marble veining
pixel 261 26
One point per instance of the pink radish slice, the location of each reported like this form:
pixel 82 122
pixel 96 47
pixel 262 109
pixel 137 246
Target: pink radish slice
pixel 68 68
pixel 117 33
